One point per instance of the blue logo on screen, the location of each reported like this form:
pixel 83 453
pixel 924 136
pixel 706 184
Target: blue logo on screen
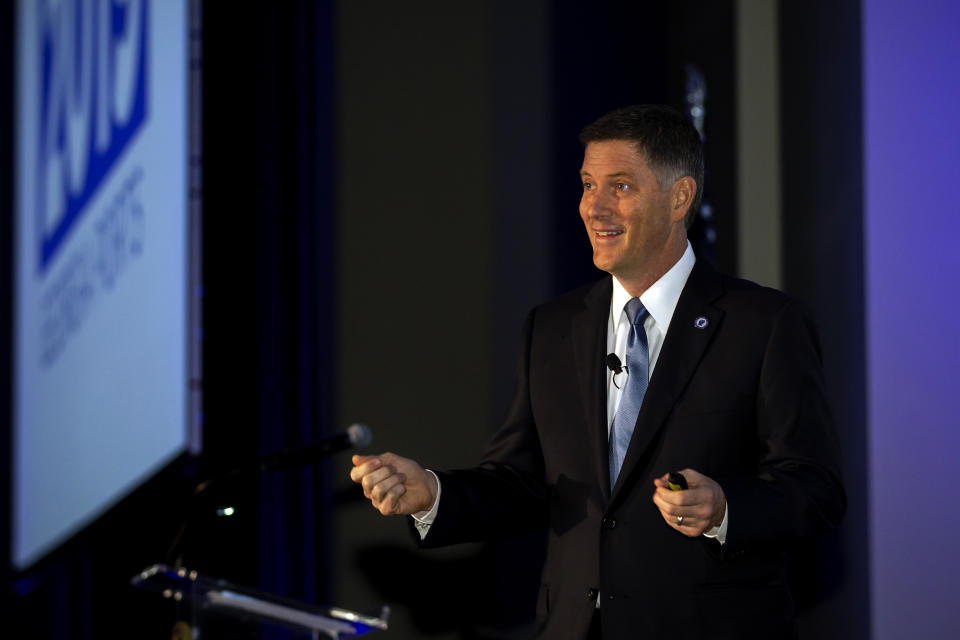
pixel 93 100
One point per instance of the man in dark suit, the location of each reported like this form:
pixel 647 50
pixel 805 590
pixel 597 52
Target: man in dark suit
pixel 723 382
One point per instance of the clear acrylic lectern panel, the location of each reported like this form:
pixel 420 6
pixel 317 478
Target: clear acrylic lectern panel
pixel 218 609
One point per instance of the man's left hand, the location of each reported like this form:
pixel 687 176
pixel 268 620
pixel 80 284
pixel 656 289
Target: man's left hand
pixel 694 510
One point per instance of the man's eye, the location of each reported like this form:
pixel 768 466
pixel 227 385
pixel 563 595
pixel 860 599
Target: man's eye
pixel 587 186
pixel 622 186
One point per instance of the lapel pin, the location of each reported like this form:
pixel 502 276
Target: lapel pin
pixel 701 322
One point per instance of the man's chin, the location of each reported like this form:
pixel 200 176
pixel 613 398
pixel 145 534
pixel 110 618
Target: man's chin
pixel 604 263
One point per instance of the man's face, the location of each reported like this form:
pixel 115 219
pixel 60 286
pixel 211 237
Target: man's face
pixel 628 218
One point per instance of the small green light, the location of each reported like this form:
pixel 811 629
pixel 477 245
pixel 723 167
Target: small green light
pixel 225 511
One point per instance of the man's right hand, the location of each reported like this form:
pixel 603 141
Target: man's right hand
pixel 394 485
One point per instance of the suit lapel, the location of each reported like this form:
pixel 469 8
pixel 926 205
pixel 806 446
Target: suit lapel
pixel 686 341
pixel 589 328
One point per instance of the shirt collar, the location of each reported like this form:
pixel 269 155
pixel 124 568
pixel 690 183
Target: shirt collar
pixel 660 299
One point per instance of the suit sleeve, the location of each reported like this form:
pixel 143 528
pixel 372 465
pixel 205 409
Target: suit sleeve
pixel 797 491
pixel 505 493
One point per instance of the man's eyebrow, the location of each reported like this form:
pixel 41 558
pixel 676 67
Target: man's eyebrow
pixel 618 174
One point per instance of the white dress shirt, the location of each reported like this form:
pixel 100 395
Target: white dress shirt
pixel 660 301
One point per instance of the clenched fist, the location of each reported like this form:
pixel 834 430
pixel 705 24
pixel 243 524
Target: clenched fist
pixel 394 485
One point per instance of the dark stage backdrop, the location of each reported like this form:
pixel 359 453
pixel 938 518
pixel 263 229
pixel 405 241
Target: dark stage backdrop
pixel 444 108
pixel 823 266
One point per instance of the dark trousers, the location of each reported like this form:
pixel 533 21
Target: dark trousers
pixel 594 633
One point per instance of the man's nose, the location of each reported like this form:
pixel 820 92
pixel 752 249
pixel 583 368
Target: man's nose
pixel 598 204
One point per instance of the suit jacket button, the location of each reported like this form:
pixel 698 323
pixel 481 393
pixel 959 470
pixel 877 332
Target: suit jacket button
pixel 608 523
pixel 592 593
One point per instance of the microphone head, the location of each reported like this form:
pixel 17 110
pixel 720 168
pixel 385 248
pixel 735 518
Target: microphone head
pixel 360 435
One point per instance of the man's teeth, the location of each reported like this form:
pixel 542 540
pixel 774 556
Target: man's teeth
pixel 608 233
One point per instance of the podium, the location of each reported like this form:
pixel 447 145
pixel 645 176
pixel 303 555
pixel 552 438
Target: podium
pixel 216 608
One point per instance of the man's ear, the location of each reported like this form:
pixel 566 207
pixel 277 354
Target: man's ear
pixel 681 197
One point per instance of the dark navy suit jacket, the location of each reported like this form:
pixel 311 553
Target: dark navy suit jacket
pixel 741 400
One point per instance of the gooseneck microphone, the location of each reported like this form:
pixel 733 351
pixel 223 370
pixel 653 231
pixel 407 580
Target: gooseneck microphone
pixel 357 436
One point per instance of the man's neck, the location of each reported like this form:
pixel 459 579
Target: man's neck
pixel 636 284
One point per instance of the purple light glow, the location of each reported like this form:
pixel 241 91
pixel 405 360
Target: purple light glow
pixel 912 244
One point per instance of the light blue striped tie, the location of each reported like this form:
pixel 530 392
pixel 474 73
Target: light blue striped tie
pixel 638 367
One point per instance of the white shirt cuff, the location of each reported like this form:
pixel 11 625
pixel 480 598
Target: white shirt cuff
pixel 423 519
pixel 720 533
